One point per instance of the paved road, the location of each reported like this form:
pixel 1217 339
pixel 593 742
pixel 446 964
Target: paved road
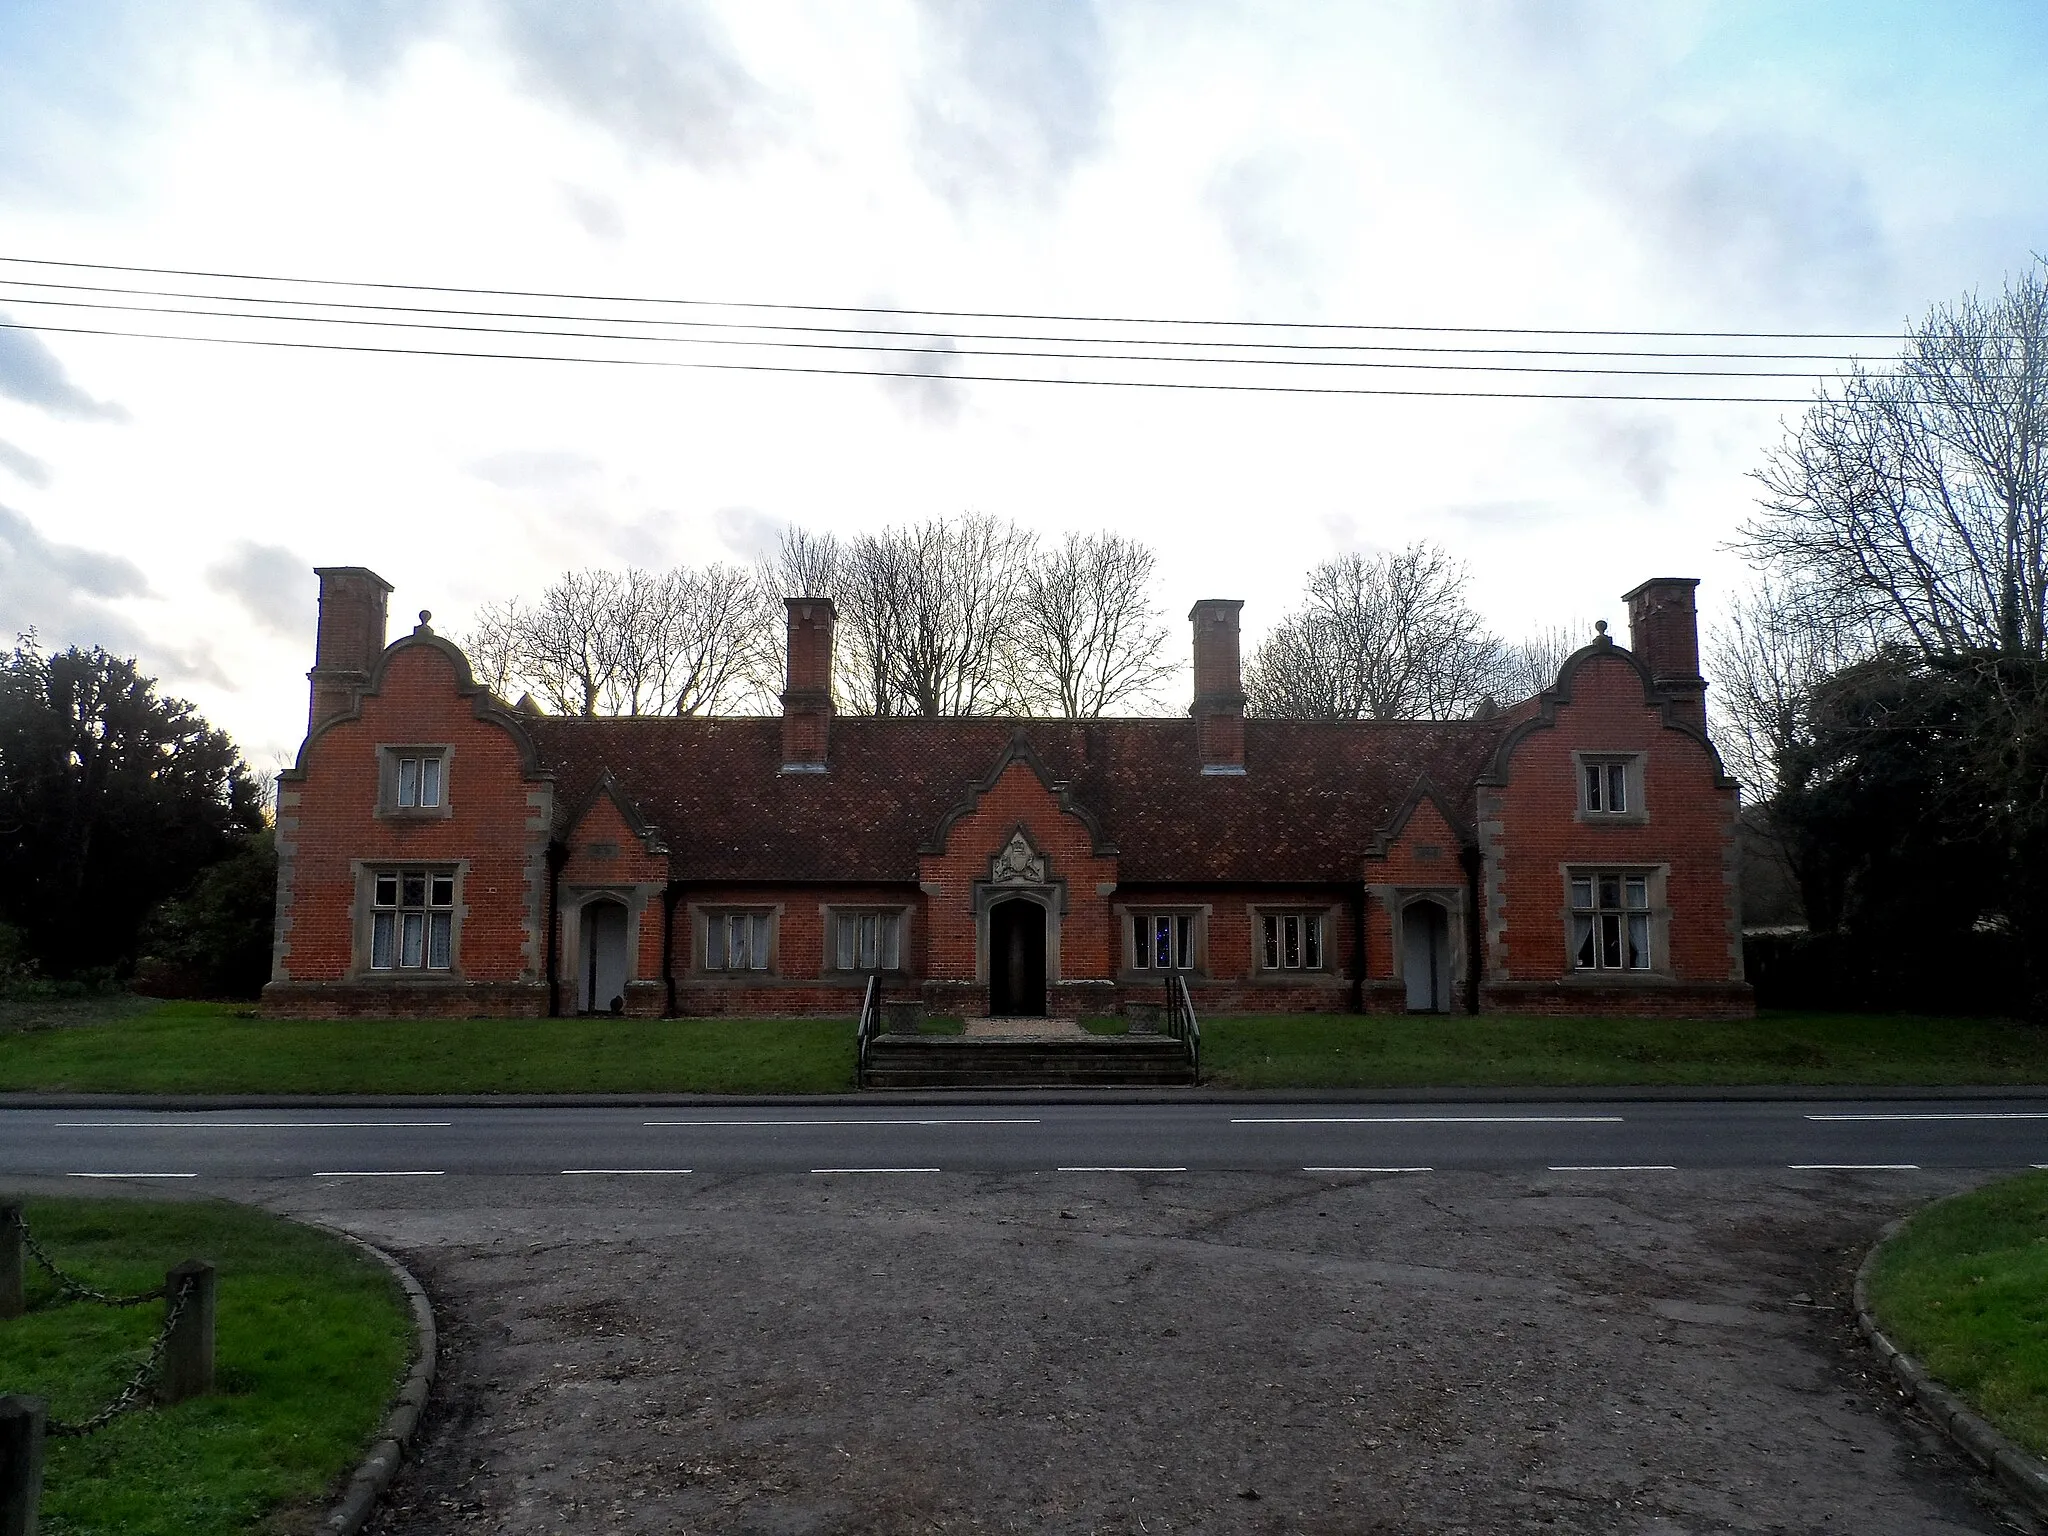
pixel 1023 1136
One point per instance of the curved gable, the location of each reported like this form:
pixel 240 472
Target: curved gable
pixel 1603 654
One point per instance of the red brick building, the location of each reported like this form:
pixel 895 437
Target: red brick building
pixel 442 852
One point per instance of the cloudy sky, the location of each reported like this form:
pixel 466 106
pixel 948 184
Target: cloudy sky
pixel 1702 167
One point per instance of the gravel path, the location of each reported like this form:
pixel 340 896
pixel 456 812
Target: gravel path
pixel 1639 1352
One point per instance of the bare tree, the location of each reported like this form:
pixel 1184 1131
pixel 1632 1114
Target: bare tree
pixel 602 642
pixel 1087 638
pixel 1780 643
pixel 1385 637
pixel 1920 493
pixel 1531 664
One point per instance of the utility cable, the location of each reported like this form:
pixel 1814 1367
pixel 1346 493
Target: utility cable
pixel 892 373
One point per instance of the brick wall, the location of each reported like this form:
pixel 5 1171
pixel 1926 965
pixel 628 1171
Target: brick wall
pixel 949 878
pixel 495 832
pixel 1531 827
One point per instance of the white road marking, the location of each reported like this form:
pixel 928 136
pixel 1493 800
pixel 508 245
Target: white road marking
pixel 1107 1169
pixel 1854 1167
pixel 992 1120
pixel 568 1171
pixel 379 1173
pixel 1368 1170
pixel 1428 1120
pixel 131 1175
pixel 874 1170
pixel 1614 1168
pixel 1987 1114
pixel 246 1125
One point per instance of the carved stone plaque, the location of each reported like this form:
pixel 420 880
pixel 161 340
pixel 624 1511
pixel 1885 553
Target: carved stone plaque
pixel 1018 864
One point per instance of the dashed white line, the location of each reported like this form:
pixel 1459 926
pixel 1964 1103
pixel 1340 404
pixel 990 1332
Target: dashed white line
pixel 379 1173
pixel 713 1124
pixel 1368 1170
pixel 566 1172
pixel 1428 1120
pixel 248 1125
pixel 1958 1115
pixel 1614 1168
pixel 874 1170
pixel 131 1175
pixel 1854 1167
pixel 1105 1168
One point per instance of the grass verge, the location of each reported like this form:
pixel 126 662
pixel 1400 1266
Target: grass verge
pixel 1963 1287
pixel 219 1048
pixel 1387 1051
pixel 216 1048
pixel 311 1338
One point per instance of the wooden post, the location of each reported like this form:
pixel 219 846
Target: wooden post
pixel 21 1463
pixel 13 1301
pixel 188 1356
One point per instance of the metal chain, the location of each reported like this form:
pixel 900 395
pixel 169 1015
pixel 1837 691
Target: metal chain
pixel 78 1290
pixel 131 1394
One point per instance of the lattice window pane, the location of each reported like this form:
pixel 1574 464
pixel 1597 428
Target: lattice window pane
pixel 1638 941
pixel 383 941
pixel 892 942
pixel 1617 786
pixel 757 942
pixel 1312 943
pixel 1582 942
pixel 412 940
pixel 1272 943
pixel 440 927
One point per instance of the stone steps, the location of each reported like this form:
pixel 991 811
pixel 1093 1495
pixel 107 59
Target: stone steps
pixel 1094 1061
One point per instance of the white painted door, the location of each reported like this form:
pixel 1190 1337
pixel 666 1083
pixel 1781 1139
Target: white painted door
pixel 1425 957
pixel 604 956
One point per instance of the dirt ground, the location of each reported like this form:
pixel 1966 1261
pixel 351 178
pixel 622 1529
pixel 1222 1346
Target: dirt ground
pixel 1440 1353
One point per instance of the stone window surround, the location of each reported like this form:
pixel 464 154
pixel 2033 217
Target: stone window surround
pixel 1638 812
pixel 1659 974
pixel 1258 911
pixel 635 897
pixel 363 874
pixel 829 912
pixel 1198 937
pixel 388 808
pixel 700 915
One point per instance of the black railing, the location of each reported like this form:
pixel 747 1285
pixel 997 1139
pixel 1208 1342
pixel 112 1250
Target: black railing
pixel 1182 1024
pixel 870 1026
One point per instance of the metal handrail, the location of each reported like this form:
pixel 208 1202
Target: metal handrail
pixel 1181 1022
pixel 870 1026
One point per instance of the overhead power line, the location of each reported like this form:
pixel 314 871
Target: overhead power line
pixel 947 314
pixel 817 328
pixel 753 336
pixel 903 373
pixel 948 351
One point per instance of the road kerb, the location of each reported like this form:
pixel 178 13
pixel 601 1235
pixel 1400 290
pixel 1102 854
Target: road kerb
pixel 372 1478
pixel 2024 1476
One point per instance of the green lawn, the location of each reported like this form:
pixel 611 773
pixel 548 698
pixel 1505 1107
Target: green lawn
pixel 217 1048
pixel 311 1340
pixel 1964 1288
pixel 1398 1050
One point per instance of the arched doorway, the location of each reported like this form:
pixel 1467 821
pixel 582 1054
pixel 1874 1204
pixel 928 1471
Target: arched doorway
pixel 1016 958
pixel 1426 956
pixel 602 976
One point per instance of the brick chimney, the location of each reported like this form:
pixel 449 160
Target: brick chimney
pixel 1219 691
pixel 1664 631
pixel 807 698
pixel 349 640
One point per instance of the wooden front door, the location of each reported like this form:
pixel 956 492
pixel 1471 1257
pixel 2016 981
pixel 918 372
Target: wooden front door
pixel 1016 959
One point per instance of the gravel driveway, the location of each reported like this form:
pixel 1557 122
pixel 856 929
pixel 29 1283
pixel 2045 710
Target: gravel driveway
pixel 1641 1352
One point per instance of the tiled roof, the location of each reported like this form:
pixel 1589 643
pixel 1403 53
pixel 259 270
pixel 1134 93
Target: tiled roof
pixel 1306 809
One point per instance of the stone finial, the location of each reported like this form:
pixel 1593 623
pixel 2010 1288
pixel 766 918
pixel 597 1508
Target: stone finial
pixel 426 616
pixel 1600 635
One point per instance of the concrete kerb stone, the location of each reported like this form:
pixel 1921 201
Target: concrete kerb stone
pixel 1651 1094
pixel 2023 1476
pixel 373 1476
